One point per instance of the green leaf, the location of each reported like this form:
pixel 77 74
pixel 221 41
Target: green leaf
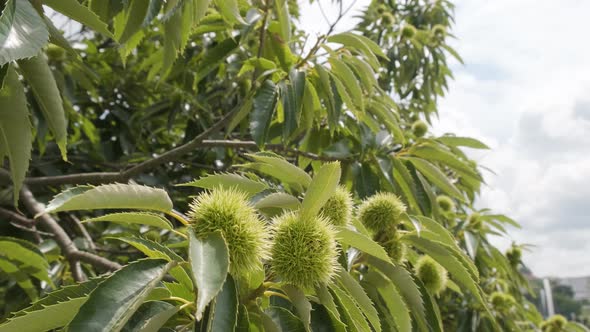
pixel 407 288
pixel 228 180
pixel 76 11
pixel 213 57
pixel 300 302
pixel 265 102
pixel 30 260
pixel 230 11
pixel 131 19
pixel 349 284
pixel 39 76
pixel 116 299
pixel 281 169
pixel 436 154
pixel 200 9
pixel 404 180
pixel 462 141
pixel 282 11
pixel 53 311
pixel 361 242
pixel 111 196
pixel 349 310
pixel 15 130
pixel 278 200
pixel 362 44
pixel 155 250
pixel 436 177
pixel 22 31
pixel 291 95
pixel 349 80
pixel 21 278
pixel 150 317
pixel 225 310
pixel 140 218
pixel 285 320
pixel 445 258
pixel 320 190
pixel 209 260
pixel 48 318
pixel 392 298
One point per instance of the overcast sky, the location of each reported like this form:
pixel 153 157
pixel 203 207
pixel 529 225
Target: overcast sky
pixel 525 91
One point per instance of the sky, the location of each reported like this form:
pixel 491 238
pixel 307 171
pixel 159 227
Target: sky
pixel 525 91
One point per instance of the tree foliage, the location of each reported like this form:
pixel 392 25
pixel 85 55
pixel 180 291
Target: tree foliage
pixel 157 114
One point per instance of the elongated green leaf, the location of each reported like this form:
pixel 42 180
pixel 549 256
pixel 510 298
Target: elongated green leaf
pixel 300 302
pixel 278 200
pixel 445 258
pixel 349 284
pixel 228 180
pixel 131 19
pixel 361 242
pixel 347 77
pixel 140 218
pixel 350 311
pixel 282 169
pixel 436 176
pixel 404 180
pixel 322 187
pixel 76 11
pixel 291 95
pixel 282 10
pixel 407 288
pixel 436 154
pixel 53 311
pixel 225 310
pixel 432 310
pixel 15 130
pixel 22 31
pixel 21 278
pixel 362 44
pixel 462 141
pixel 215 56
pixel 50 317
pixel 26 256
pixel 200 9
pixel 150 317
pixel 111 196
pixel 116 299
pixel 38 74
pixel 155 250
pixel 209 260
pixel 285 320
pixel 230 11
pixel 261 115
pixel 392 298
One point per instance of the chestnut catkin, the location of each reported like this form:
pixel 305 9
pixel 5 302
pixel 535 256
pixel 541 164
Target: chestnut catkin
pixel 228 211
pixel 419 128
pixel 381 212
pixel 432 274
pixel 304 252
pixel 338 209
pixel 445 203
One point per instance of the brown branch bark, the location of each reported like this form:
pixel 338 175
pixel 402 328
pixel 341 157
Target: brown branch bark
pixel 106 177
pixel 68 248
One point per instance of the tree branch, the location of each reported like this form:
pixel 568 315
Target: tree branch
pixel 68 248
pixel 198 142
pixel 16 218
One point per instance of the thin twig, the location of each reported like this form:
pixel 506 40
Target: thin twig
pixel 106 177
pixel 68 248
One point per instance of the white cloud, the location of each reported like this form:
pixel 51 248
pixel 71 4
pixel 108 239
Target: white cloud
pixel 524 91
